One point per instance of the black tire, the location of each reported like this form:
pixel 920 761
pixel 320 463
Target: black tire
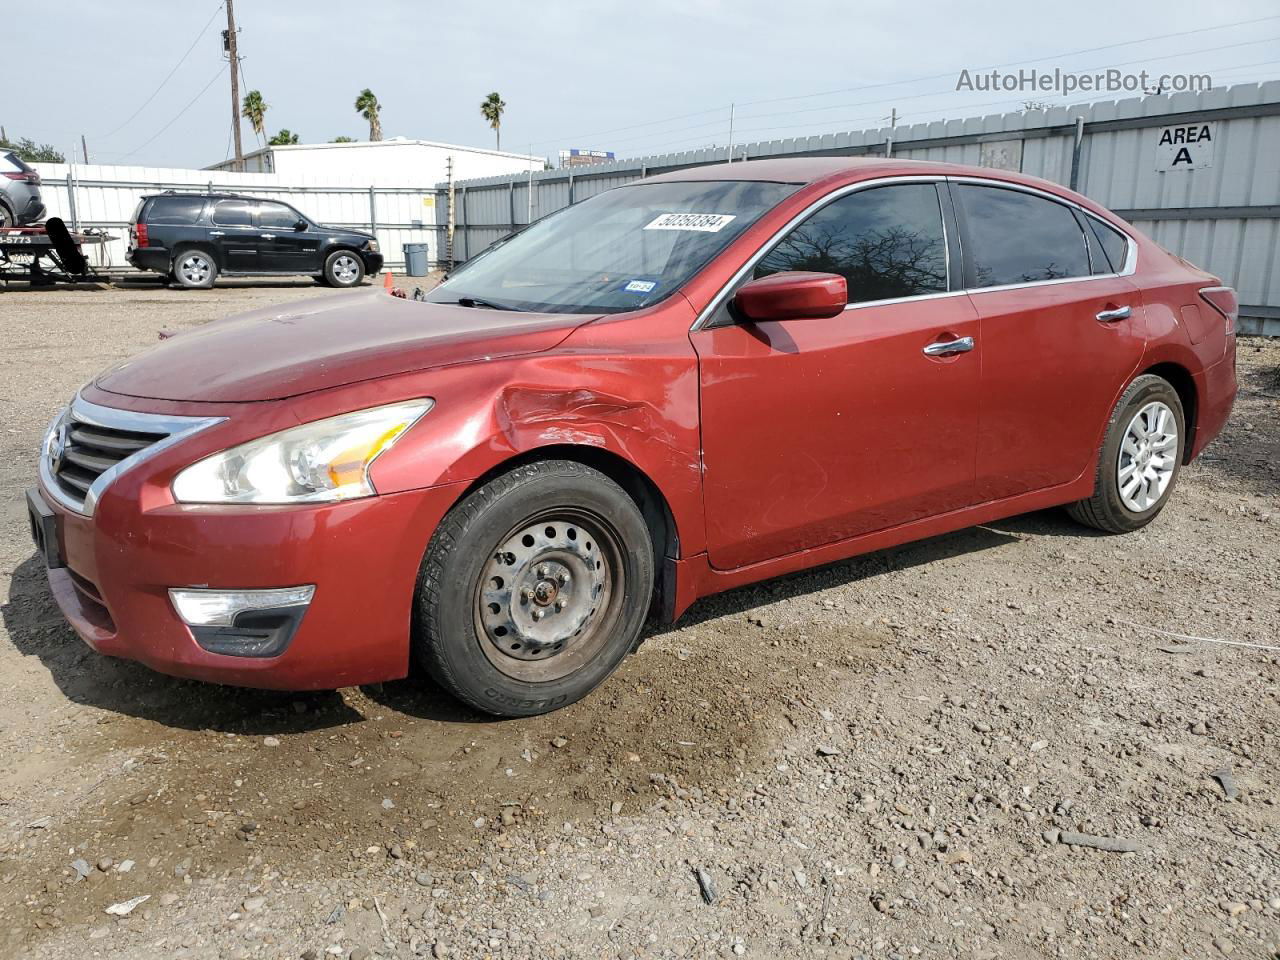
pixel 455 636
pixel 7 216
pixel 1107 509
pixel 343 268
pixel 194 268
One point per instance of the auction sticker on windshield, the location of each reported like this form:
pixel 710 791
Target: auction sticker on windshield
pixel 702 222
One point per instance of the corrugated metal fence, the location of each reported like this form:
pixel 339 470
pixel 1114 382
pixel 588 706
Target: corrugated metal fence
pixel 106 196
pixel 1223 215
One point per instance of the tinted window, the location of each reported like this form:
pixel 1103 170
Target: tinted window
pixel 175 210
pixel 1114 243
pixel 231 213
pixel 1017 237
pixel 277 215
pixel 887 242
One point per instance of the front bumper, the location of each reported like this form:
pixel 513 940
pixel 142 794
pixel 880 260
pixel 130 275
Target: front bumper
pixel 362 555
pixel 372 262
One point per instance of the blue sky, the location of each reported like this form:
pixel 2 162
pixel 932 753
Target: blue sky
pixel 633 78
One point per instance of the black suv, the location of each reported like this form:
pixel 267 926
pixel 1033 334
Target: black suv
pixel 194 237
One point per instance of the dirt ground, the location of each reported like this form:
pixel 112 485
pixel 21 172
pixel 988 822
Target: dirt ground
pixel 884 758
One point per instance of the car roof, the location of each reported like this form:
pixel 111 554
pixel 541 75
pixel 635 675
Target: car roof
pixel 206 196
pixel 807 170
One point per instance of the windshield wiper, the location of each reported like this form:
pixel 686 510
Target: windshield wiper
pixel 478 302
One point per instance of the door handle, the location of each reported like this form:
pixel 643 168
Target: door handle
pixel 216 233
pixel 267 236
pixel 945 347
pixel 1111 316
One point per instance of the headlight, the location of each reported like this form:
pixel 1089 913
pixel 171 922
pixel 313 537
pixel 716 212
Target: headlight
pixel 373 246
pixel 316 462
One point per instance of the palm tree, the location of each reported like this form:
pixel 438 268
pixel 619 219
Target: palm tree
pixel 285 138
pixel 368 107
pixel 255 111
pixel 491 109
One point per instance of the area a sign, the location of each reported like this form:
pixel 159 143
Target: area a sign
pixel 1187 146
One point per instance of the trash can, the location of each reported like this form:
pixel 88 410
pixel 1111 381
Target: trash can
pixel 415 259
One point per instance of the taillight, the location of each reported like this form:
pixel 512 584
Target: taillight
pixel 1224 300
pixel 30 176
pixel 140 235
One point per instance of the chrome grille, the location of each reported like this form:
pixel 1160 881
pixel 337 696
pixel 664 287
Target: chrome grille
pixel 89 451
pixel 88 445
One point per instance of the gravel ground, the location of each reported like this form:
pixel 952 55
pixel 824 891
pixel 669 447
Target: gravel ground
pixel 890 757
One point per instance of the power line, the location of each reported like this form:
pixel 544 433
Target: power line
pixel 169 76
pixel 919 96
pixel 1016 63
pixel 179 115
pixel 938 76
pixel 936 93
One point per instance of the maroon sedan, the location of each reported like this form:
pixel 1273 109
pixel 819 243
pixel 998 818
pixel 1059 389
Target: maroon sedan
pixel 679 386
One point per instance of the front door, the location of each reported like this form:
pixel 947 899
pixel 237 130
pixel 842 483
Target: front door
pixel 815 431
pixel 286 249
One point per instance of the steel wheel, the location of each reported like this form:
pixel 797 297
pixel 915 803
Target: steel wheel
pixel 544 603
pixel 345 269
pixel 194 269
pixel 1148 455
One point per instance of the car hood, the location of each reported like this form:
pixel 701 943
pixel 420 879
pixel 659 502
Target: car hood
pixel 286 350
pixel 337 228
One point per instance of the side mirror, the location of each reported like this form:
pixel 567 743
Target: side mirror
pixel 300 226
pixel 793 295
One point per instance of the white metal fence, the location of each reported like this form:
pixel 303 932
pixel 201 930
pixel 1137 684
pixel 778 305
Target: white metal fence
pixel 106 196
pixel 1222 212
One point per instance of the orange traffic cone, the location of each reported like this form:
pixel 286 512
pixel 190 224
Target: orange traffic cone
pixel 386 280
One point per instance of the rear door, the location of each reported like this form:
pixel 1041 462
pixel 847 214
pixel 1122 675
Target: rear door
pixel 235 236
pixel 815 431
pixel 285 248
pixel 1061 331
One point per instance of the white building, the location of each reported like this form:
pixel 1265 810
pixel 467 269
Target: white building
pixel 395 161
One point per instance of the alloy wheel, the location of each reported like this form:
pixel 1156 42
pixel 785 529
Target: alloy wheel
pixel 194 269
pixel 1148 457
pixel 345 269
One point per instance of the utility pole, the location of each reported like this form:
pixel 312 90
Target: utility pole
pixel 730 133
pixel 84 149
pixel 893 125
pixel 448 236
pixel 229 46
pixel 529 217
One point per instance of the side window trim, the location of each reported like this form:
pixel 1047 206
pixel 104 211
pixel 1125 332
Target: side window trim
pixel 714 313
pixel 970 271
pixel 1131 247
pixel 258 205
pixel 250 205
pixel 956 252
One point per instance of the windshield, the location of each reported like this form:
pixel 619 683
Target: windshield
pixel 621 250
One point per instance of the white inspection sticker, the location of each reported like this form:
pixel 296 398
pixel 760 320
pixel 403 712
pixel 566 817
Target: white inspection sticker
pixel 701 222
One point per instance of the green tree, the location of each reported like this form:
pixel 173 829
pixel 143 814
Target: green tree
pixel 28 150
pixel 285 138
pixel 368 107
pixel 343 139
pixel 255 110
pixel 491 109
